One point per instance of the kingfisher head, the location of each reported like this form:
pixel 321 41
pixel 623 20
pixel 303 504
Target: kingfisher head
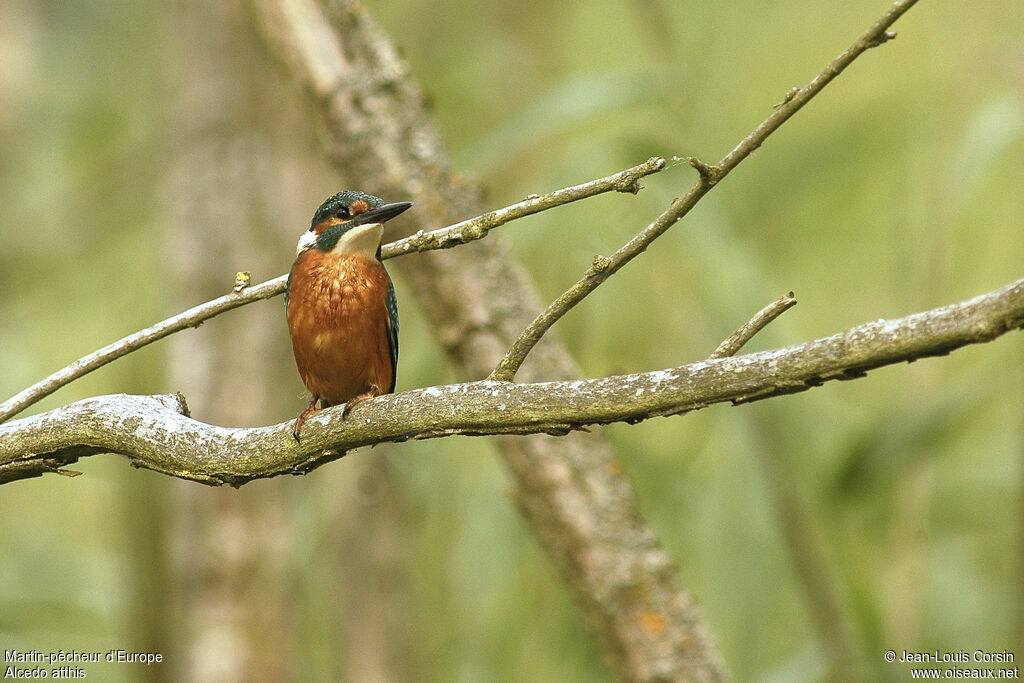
pixel 348 223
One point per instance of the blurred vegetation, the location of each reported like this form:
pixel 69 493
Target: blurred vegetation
pixel 897 190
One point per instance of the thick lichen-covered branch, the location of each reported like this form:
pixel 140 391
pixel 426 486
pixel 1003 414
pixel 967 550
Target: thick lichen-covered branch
pixel 155 432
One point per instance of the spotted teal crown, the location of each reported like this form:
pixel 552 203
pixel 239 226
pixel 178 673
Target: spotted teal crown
pixel 343 200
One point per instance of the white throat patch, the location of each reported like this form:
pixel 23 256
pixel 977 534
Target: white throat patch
pixel 362 239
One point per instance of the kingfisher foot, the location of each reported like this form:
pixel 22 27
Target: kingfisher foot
pixel 303 416
pixel 374 392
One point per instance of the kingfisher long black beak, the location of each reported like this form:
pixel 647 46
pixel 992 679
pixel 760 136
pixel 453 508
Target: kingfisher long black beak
pixel 381 213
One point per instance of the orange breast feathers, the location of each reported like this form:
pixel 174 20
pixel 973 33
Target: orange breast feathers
pixel 338 320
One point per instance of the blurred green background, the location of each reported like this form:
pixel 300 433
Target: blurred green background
pixel 896 190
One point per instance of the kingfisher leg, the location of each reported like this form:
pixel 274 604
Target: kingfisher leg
pixel 356 400
pixel 303 416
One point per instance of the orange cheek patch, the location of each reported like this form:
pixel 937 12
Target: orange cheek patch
pixel 358 206
pixel 326 223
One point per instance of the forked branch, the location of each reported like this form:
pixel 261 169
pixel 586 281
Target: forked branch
pixel 709 176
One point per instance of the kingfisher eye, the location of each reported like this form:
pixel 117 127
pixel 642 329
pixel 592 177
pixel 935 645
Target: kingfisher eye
pixel 343 212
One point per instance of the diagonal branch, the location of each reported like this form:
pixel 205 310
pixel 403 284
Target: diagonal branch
pixel 603 268
pixel 477 228
pixel 463 232
pixel 193 317
pixel 155 432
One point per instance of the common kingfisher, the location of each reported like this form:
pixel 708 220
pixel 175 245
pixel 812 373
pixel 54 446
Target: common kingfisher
pixel 341 306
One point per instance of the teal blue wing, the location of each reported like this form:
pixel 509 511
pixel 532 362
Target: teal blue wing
pixel 392 304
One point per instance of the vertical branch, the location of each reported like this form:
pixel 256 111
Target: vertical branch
pixel 233 570
pixel 576 502
pixel 822 588
pixel 240 176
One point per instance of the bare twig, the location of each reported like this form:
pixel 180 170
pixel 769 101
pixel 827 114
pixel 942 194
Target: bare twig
pixel 603 267
pixel 193 317
pixel 476 228
pixel 735 341
pixel 460 233
pixel 156 433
